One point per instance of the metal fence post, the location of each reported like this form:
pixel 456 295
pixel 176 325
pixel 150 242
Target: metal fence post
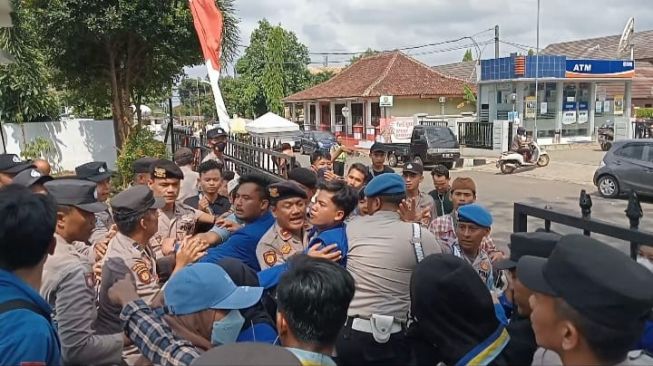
pixel 634 214
pixel 585 203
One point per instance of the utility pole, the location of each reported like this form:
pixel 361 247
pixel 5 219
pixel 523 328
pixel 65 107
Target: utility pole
pixel 496 41
pixel 537 71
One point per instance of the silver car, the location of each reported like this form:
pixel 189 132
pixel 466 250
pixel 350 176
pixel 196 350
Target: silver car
pixel 627 166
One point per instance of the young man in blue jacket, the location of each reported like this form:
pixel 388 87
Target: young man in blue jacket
pixel 27 224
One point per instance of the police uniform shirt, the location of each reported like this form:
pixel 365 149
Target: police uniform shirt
pixel 188 184
pixel 172 224
pixel 381 259
pixel 212 156
pixel 103 223
pixel 124 256
pixel 481 263
pixel 277 245
pixel 69 287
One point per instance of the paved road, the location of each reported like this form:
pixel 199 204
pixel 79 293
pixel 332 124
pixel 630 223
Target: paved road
pixel 557 186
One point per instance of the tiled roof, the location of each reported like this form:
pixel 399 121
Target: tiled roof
pixel 464 70
pixel 604 47
pixel 389 73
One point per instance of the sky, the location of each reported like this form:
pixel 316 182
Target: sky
pixel 355 25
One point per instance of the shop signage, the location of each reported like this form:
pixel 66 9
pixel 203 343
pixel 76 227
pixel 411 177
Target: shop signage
pixel 583 116
pixel 599 69
pixel 386 101
pixel 544 108
pixel 569 106
pixel 599 106
pixel 568 117
pixel 530 107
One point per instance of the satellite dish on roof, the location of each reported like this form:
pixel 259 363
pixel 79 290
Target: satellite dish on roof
pixel 627 37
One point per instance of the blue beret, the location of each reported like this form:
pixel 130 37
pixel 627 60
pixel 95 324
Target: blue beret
pixel 387 184
pixel 476 214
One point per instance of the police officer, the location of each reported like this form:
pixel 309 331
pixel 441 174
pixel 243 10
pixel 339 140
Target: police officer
pixel 176 219
pixel 33 179
pixel 10 165
pixel 474 223
pixel 383 251
pixel 135 212
pixel 141 170
pixel 590 302
pixel 288 235
pixel 68 281
pixel 217 141
pixel 98 173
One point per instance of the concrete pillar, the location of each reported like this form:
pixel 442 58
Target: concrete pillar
pixel 559 103
pixel 369 129
pixel 592 107
pixel 318 114
pixel 305 106
pixel 628 104
pixel 492 100
pixel 499 136
pixel 348 119
pixel 332 107
pixel 520 90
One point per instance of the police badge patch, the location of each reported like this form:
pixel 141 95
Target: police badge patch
pixel 285 248
pixel 270 258
pixel 142 272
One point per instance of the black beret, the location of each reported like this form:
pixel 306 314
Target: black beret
pixel 165 169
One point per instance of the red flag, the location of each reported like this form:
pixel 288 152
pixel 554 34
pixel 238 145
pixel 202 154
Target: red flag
pixel 208 25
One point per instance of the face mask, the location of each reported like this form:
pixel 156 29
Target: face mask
pixel 227 329
pixel 221 146
pixel 645 262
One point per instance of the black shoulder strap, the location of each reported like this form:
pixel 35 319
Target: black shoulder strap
pixel 22 304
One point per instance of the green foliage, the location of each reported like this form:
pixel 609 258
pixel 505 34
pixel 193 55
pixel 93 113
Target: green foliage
pixel 119 51
pixel 25 94
pixel 321 77
pixel 468 56
pixel 531 52
pixel 644 113
pixel 39 148
pixel 368 52
pixel 469 96
pixel 140 143
pixel 196 98
pixel 274 65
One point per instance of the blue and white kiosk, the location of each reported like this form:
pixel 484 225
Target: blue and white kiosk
pixel 574 97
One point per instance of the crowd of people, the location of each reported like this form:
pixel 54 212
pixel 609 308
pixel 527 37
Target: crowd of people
pixel 330 266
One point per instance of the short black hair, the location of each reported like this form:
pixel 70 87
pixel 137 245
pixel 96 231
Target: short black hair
pixel 313 296
pixel 319 154
pixel 128 224
pixel 344 196
pixel 303 176
pixel 27 224
pixel 394 199
pixel 361 168
pixel 610 345
pixel 209 165
pixel 228 175
pixel 260 181
pixel 440 171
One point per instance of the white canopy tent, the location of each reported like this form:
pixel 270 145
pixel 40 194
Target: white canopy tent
pixel 273 126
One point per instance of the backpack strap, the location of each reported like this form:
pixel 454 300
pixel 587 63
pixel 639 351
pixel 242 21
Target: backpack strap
pixel 22 304
pixel 416 240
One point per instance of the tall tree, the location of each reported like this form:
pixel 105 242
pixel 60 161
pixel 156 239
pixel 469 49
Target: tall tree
pixel 25 94
pixel 468 56
pixel 274 65
pixel 368 52
pixel 531 52
pixel 124 49
pixel 322 76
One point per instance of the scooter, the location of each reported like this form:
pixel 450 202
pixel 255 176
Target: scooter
pixel 511 160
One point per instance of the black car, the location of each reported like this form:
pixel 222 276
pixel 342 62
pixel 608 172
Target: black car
pixel 312 141
pixel 428 145
pixel 627 166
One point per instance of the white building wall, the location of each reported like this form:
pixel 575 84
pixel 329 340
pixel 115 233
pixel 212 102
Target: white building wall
pixel 75 141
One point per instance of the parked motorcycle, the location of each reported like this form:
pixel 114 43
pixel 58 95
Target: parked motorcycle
pixel 606 135
pixel 511 160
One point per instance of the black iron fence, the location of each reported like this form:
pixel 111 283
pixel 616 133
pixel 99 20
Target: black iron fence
pixel 243 153
pixel 249 154
pixel 585 222
pixel 643 129
pixel 476 134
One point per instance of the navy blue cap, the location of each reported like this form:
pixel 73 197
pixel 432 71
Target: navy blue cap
pixel 75 192
pixel 389 184
pixel 215 132
pixel 95 171
pixel 475 214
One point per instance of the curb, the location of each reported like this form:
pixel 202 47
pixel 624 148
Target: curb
pixel 471 162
